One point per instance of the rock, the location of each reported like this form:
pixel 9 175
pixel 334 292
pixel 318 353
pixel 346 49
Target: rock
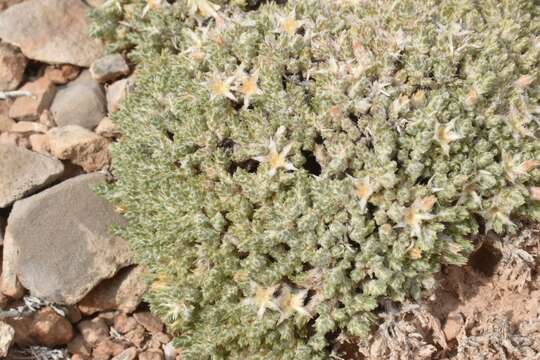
pixel 79 346
pixel 151 355
pixel 40 143
pixel 136 336
pixel 51 31
pixel 81 146
pixel 47 119
pixel 123 292
pixel 128 354
pixel 61 74
pixel 12 66
pixel 93 331
pixel 123 323
pixel 158 340
pixel 6 123
pixel 149 321
pixel 80 103
pixel 50 329
pixel 116 93
pixel 7 334
pixel 109 67
pixel 4 4
pixel 61 245
pixel 13 139
pixel 73 314
pixel 453 326
pixel 42 328
pixel 9 284
pixel 107 128
pixel 79 357
pixel 24 172
pixel 108 348
pixel 29 108
pixel 95 3
pixel 28 127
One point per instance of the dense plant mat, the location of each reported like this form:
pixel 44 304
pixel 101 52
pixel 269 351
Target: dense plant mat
pixel 288 170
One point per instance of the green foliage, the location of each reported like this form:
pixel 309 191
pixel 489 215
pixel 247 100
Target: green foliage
pixel 286 170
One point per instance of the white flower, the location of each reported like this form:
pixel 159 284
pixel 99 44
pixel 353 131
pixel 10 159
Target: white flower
pixel 263 298
pixel 445 134
pixel 417 213
pixel 249 88
pixel 291 302
pixel 277 160
pixel 220 87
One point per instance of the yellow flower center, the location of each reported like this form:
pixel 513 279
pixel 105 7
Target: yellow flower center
pixel 249 87
pixel 290 25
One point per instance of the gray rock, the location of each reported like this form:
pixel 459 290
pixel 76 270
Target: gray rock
pixel 12 65
pixel 61 241
pixel 116 92
pixel 7 334
pixel 80 103
pixel 109 67
pixel 23 172
pixel 51 31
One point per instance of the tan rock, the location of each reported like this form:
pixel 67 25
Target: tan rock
pixel 109 67
pixel 81 146
pixel 107 128
pixel 12 66
pixel 149 321
pixel 47 119
pixel 453 326
pixel 29 108
pixel 13 139
pixel 116 92
pixel 128 354
pixel 6 123
pixel 50 329
pixel 28 127
pixel 123 292
pixel 7 334
pixel 9 284
pixel 151 355
pixel 40 143
pixel 108 348
pixel 51 31
pixel 61 74
pixel 93 331
pixel 79 346
pixel 124 323
pixel 136 336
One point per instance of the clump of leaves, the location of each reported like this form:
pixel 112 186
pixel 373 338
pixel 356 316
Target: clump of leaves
pixel 286 171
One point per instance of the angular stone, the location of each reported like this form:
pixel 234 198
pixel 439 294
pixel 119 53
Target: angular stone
pixel 51 31
pixel 107 128
pixel 29 108
pixel 109 67
pixel 13 139
pixel 128 354
pixel 12 66
pixel 24 172
pixel 93 331
pixel 7 334
pixel 123 292
pixel 28 127
pixel 81 146
pixel 61 243
pixel 108 348
pixel 80 103
pixel 51 329
pixel 79 346
pixel 6 123
pixel 61 74
pixel 10 285
pixel 151 355
pixel 40 143
pixel 149 321
pixel 116 92
pixel 123 323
